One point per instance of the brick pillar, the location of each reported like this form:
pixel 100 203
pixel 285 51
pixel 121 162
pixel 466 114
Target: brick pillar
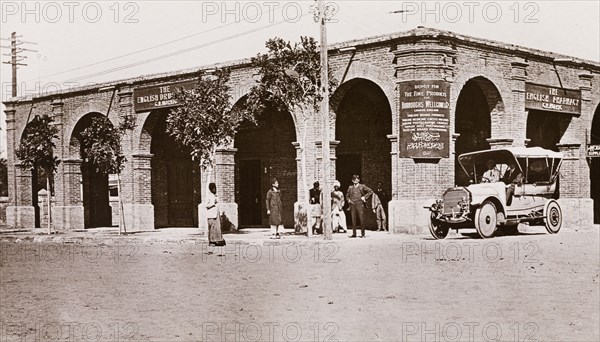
pixel 300 218
pixel 577 208
pixel 394 155
pixel 139 213
pixel 332 158
pixel 418 181
pixel 22 213
pixel 499 143
pixel 225 181
pixel 515 120
pixel 68 214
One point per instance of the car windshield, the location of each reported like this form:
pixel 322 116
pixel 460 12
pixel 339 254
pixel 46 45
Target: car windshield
pixel 534 169
pixel 475 164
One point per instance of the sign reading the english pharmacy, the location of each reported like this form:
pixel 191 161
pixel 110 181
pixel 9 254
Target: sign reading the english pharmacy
pixel 424 119
pixel 553 99
pixel 158 96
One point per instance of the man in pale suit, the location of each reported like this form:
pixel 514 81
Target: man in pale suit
pixel 492 175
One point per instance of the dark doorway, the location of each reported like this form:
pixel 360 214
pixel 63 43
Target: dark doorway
pixel 175 177
pixel 363 123
pixel 347 165
pixel 473 121
pixel 545 129
pixel 250 193
pixel 181 204
pixel 96 204
pixel 264 151
pixel 595 166
pixel 97 210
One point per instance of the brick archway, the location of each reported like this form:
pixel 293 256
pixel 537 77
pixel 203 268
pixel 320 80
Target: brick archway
pixel 262 152
pixel 477 106
pixel 94 107
pixel 95 185
pixel 363 121
pixel 360 70
pixel 495 89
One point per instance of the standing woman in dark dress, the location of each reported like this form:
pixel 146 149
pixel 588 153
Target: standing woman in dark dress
pixel 274 208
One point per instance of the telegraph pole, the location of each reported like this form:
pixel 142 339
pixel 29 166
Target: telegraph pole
pixel 327 228
pixel 15 59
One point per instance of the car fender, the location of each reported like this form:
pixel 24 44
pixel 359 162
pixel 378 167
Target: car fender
pixel 494 192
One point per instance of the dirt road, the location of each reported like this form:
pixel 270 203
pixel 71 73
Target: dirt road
pixel 534 287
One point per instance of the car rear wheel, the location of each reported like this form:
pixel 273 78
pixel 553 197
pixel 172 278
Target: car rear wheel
pixel 552 217
pixel 438 229
pixel 486 220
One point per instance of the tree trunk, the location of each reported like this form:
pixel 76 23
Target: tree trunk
pixel 49 203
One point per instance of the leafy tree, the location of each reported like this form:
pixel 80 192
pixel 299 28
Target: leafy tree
pixel 289 77
pixel 101 145
pixel 206 118
pixel 36 150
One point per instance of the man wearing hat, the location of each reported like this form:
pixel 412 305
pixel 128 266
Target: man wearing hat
pixel 356 196
pixel 492 175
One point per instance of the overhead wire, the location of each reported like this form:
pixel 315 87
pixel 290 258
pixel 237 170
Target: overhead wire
pixel 140 51
pixel 179 52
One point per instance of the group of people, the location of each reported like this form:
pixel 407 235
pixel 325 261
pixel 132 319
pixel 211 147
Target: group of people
pixel 359 197
pixel 511 178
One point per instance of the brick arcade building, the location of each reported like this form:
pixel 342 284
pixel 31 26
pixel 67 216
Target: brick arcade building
pixel 487 94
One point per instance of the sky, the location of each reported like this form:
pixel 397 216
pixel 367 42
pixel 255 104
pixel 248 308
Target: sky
pixel 79 43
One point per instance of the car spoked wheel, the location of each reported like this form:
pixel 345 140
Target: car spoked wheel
pixel 486 220
pixel 437 228
pixel 552 217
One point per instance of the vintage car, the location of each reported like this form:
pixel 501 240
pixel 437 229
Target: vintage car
pixel 487 206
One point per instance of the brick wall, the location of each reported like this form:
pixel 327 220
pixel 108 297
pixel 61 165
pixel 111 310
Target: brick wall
pixel 499 71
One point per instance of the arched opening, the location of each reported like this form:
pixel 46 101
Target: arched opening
pixel 175 178
pixel 97 211
pixel 475 103
pixel 545 129
pixel 363 122
pixel 265 151
pixel 595 165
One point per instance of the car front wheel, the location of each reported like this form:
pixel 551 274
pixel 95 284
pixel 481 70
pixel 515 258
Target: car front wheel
pixel 486 220
pixel 439 229
pixel 552 217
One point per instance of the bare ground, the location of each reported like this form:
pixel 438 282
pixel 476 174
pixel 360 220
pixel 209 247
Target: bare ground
pixel 393 288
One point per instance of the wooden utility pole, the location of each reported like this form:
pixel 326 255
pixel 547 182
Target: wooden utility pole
pixel 15 58
pixel 327 228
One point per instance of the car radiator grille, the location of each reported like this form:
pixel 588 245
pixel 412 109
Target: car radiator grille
pixel 452 198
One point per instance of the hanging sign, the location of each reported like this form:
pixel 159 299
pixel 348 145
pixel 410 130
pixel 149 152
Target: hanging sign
pixel 158 96
pixel 424 119
pixel 552 99
pixel 593 151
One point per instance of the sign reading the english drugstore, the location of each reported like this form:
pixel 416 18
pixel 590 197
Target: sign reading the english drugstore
pixel 158 96
pixel 552 99
pixel 424 119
